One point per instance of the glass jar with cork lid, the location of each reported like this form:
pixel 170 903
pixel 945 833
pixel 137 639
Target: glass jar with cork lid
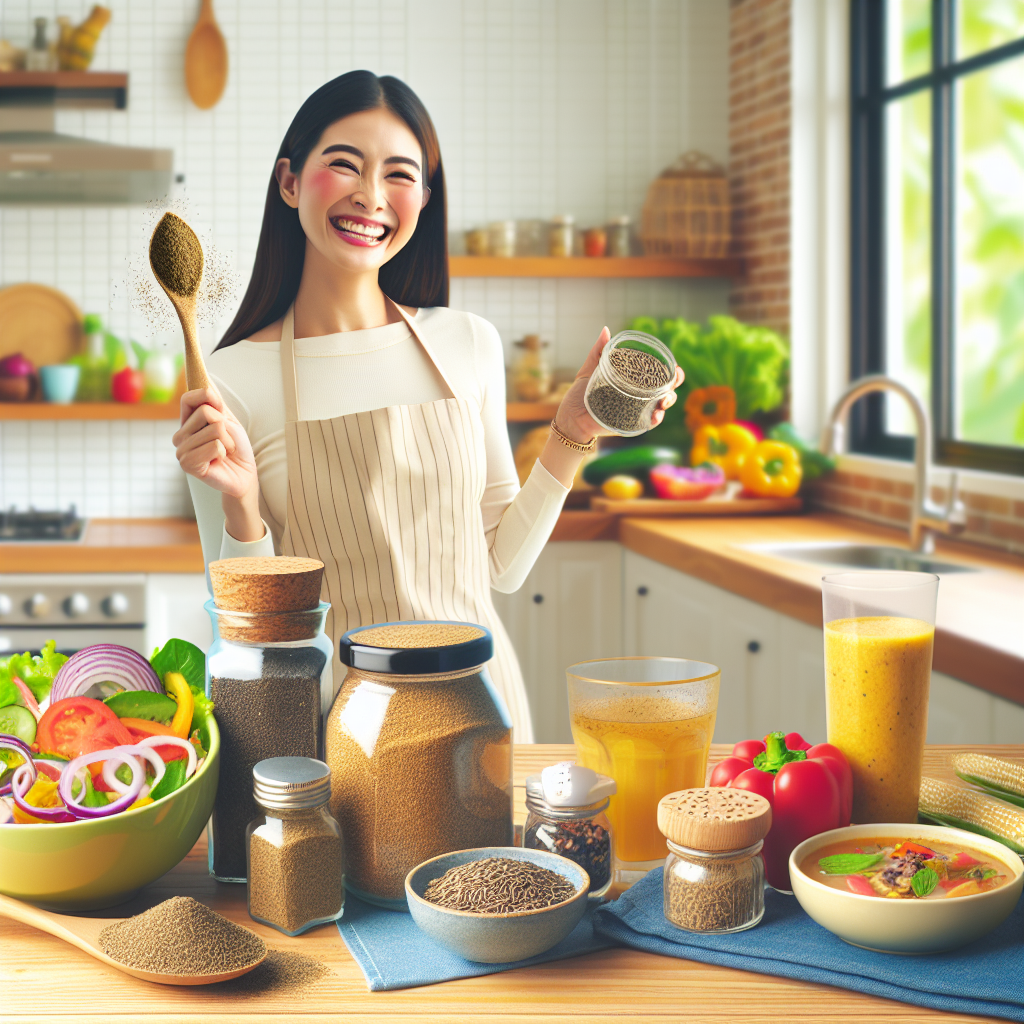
pixel 268 675
pixel 419 744
pixel 295 866
pixel 714 876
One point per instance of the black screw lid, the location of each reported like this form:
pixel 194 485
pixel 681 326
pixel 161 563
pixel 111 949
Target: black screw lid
pixel 416 647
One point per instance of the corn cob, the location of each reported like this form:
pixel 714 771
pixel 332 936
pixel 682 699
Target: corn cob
pixel 949 804
pixel 1004 779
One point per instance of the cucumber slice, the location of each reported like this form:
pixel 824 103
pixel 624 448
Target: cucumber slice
pixel 18 721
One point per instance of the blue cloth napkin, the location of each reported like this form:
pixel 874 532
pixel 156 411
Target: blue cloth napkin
pixel 984 978
pixel 392 952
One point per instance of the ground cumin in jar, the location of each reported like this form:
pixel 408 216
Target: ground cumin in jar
pixel 713 880
pixel 296 873
pixel 420 749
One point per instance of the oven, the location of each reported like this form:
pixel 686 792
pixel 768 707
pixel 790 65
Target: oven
pixel 75 610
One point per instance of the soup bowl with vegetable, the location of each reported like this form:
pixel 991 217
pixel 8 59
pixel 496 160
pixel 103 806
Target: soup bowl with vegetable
pixel 108 778
pixel 906 888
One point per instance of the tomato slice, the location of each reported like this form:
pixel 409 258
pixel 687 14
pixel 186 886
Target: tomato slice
pixel 140 728
pixel 79 725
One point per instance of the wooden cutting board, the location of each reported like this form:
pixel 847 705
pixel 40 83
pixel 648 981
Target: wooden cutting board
pixel 716 505
pixel 41 323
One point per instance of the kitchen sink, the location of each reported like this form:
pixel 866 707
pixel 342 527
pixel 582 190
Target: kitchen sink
pixel 861 556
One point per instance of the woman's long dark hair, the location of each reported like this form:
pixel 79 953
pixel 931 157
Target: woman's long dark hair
pixel 416 276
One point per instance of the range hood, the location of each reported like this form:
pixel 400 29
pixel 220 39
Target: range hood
pixel 40 167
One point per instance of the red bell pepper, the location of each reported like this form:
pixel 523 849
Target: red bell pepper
pixel 810 791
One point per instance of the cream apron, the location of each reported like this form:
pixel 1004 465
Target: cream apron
pixel 389 501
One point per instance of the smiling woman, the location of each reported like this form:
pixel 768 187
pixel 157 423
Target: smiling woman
pixel 354 418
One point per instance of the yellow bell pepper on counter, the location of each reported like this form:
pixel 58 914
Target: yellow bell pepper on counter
pixel 726 446
pixel 177 688
pixel 772 470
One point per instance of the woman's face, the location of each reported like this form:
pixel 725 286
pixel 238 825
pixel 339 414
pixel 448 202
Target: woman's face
pixel 361 190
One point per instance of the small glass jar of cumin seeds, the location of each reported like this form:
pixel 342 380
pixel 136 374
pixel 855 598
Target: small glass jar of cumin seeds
pixel 295 860
pixel 634 373
pixel 713 880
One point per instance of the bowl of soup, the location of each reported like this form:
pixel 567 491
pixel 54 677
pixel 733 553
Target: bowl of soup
pixel 906 888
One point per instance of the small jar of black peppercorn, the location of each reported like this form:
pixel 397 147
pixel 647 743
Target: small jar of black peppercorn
pixel 566 807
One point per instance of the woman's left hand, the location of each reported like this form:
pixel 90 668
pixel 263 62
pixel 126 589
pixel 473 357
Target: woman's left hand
pixel 572 418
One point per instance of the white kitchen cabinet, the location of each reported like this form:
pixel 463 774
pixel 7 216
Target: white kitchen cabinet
pixel 568 610
pixel 174 608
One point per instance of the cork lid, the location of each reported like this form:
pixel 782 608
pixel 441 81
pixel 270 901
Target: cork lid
pixel 268 584
pixel 416 647
pixel 715 818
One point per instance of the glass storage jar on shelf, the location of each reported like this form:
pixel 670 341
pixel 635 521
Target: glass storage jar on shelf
pixel 561 236
pixel 419 744
pixel 268 674
pixel 713 881
pixel 295 858
pixel 619 240
pixel 566 807
pixel 531 370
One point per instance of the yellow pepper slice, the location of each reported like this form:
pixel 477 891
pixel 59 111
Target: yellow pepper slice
pixel 726 446
pixel 772 470
pixel 177 688
pixel 42 793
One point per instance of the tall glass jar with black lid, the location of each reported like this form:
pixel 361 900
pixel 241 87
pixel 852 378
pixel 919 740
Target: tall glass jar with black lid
pixel 419 743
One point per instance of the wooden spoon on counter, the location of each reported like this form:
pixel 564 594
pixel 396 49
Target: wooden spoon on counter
pixel 176 257
pixel 206 60
pixel 84 932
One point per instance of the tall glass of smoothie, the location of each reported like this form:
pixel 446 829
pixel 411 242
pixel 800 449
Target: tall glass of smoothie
pixel 879 631
pixel 646 722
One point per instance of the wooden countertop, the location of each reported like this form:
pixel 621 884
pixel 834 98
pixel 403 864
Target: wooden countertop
pixel 44 979
pixel 979 636
pixel 113 545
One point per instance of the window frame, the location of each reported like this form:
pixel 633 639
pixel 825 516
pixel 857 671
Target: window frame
pixel 869 98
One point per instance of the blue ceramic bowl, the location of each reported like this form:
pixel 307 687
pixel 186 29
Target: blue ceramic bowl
pixel 59 383
pixel 497 938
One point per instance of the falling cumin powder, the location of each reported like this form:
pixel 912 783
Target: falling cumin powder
pixel 176 255
pixel 499 885
pixel 182 936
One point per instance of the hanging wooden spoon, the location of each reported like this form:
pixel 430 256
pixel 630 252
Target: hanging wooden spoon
pixel 176 256
pixel 84 932
pixel 206 60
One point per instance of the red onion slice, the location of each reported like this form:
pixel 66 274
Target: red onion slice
pixel 67 777
pixel 20 747
pixel 24 778
pixel 119 667
pixel 136 750
pixel 173 741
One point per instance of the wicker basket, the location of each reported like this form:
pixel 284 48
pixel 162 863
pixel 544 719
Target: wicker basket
pixel 687 211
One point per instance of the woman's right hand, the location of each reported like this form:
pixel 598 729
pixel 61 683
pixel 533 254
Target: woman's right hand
pixel 212 446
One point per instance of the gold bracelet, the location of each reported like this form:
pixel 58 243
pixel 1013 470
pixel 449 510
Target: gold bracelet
pixel 576 446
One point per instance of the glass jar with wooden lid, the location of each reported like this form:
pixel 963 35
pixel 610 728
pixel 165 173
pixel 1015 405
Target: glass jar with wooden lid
pixel 714 875
pixel 419 743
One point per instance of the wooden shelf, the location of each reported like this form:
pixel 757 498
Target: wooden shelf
pixel 530 412
pixel 89 411
pixel 583 266
pixel 91 89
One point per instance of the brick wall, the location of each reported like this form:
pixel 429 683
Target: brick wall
pixel 759 134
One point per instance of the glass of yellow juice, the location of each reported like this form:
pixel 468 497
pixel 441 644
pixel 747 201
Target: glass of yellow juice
pixel 879 632
pixel 647 723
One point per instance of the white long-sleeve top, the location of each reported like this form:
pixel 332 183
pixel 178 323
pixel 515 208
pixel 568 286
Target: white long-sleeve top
pixel 358 371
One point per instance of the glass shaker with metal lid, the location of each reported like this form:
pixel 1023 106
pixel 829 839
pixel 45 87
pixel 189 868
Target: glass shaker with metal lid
pixel 566 807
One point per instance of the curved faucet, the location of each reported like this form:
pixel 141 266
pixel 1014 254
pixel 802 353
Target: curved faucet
pixel 926 517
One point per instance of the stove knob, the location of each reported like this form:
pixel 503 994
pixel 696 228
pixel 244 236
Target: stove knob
pixel 76 605
pixel 115 606
pixel 37 606
pixel 5 605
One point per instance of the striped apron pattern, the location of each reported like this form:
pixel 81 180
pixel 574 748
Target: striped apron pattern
pixel 389 501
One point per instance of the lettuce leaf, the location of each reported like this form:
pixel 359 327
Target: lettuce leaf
pixel 181 656
pixel 38 672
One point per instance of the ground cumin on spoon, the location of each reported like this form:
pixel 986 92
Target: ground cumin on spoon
pixel 176 255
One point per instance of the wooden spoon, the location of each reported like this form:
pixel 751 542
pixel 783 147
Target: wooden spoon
pixel 84 932
pixel 172 243
pixel 206 60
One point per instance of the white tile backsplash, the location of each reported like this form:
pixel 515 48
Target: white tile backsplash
pixel 542 107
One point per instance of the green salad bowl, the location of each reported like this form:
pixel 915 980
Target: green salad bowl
pixel 87 865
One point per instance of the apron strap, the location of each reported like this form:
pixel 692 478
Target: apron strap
pixel 289 378
pixel 288 375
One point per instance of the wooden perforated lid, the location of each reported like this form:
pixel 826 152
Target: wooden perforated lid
pixel 266 584
pixel 714 818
